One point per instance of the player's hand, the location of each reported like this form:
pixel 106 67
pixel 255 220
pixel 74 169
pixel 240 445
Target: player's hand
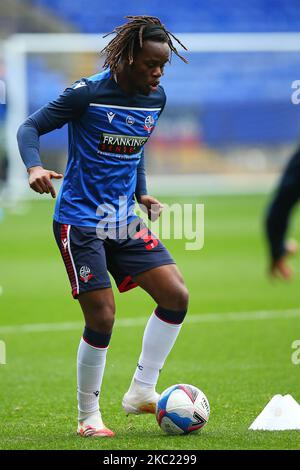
pixel 151 206
pixel 280 267
pixel 40 180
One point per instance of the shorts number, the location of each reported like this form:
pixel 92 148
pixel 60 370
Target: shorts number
pixel 149 239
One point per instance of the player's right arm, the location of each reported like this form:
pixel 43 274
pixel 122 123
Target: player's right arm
pixel 67 107
pixel 278 215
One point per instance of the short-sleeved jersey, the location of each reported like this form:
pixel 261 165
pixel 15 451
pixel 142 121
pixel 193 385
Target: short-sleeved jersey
pixel 107 131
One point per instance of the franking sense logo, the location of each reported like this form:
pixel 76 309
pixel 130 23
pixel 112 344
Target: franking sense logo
pixel 121 144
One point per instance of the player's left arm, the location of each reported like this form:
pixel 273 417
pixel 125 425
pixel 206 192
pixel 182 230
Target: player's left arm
pixel 149 204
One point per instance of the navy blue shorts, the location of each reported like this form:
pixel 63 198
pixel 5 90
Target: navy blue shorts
pixel 88 258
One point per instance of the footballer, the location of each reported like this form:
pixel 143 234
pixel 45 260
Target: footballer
pixel 278 217
pixel 110 117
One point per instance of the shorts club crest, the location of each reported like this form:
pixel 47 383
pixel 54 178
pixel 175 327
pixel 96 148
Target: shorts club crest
pixel 85 274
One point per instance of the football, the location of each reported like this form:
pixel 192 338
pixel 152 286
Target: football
pixel 182 409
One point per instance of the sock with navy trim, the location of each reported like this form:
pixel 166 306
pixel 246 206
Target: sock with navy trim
pixel 91 359
pixel 160 335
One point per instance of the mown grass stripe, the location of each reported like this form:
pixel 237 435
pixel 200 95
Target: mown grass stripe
pixel 140 321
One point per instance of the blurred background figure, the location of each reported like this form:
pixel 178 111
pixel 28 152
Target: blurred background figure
pixel 278 217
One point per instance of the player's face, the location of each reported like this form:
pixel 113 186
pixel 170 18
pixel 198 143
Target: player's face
pixel 148 66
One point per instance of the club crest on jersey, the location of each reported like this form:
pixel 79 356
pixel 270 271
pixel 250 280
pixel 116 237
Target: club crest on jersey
pixel 110 116
pixel 149 123
pixel 130 120
pixel 85 274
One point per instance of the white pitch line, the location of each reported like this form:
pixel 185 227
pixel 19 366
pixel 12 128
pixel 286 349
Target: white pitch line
pixel 141 321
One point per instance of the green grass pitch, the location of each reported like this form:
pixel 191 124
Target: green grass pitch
pixel 238 363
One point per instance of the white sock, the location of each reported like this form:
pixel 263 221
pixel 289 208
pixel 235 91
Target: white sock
pixel 90 370
pixel 159 338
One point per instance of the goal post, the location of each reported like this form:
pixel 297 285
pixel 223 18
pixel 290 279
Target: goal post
pixel 18 48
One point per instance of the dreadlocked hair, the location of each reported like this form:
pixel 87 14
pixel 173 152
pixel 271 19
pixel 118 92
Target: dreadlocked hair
pixel 131 35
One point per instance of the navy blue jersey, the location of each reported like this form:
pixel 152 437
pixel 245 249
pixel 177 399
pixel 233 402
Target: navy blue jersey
pixel 107 130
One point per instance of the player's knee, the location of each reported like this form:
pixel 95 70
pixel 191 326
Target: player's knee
pixel 175 298
pixel 173 307
pixel 101 316
pixel 181 298
pixel 105 317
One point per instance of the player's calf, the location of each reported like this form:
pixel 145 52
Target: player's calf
pixel 159 337
pixel 91 359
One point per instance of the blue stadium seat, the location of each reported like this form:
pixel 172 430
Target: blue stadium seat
pixel 191 15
